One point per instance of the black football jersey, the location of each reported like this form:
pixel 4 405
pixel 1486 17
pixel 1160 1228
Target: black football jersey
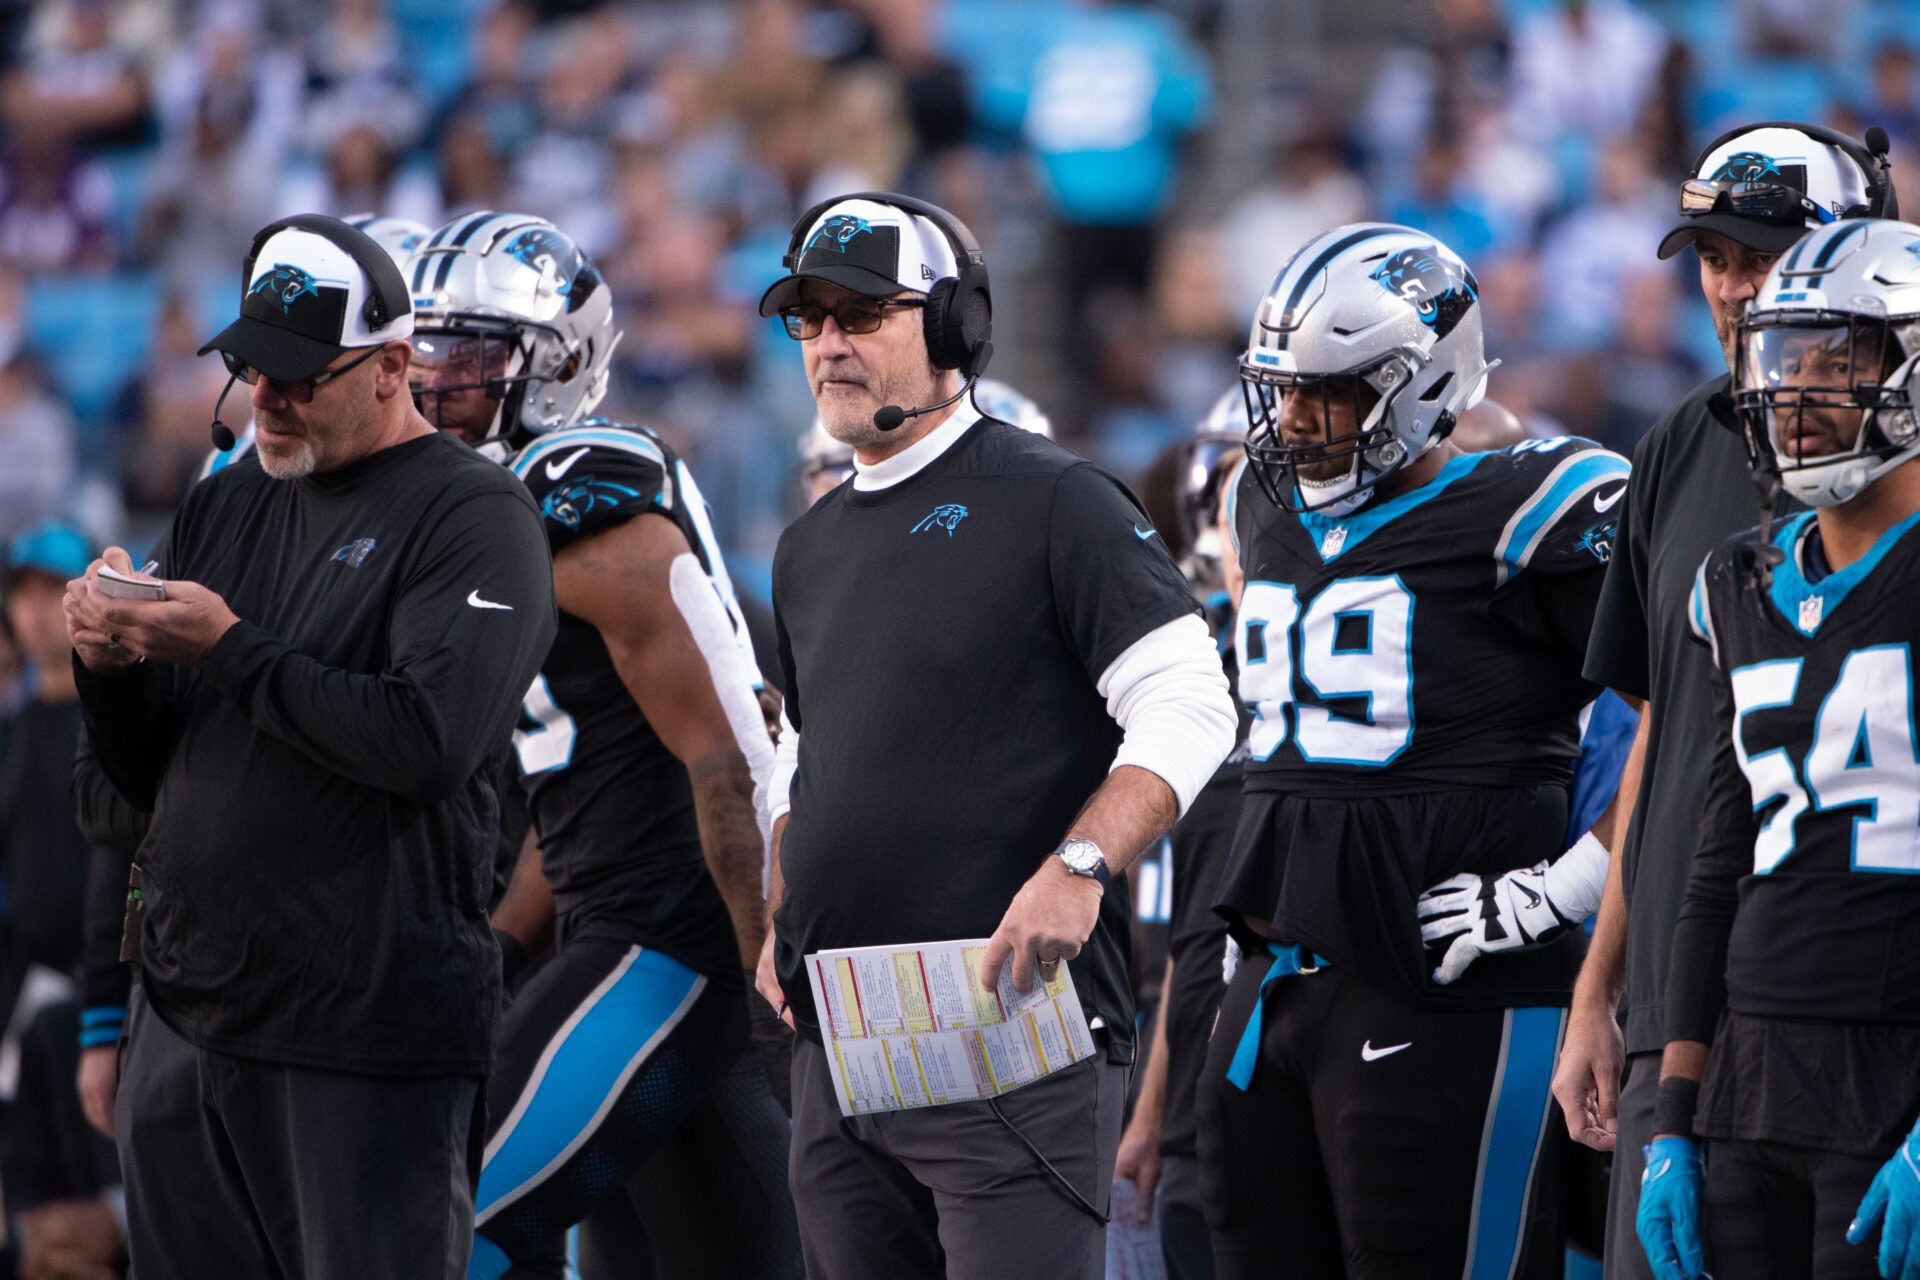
pixel 1814 807
pixel 612 806
pixel 1433 640
pixel 1414 673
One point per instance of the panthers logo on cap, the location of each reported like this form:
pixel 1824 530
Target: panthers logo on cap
pixel 1747 166
pixel 1439 288
pixel 837 232
pixel 285 284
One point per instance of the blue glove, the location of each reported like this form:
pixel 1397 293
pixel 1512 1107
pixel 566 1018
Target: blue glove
pixel 1669 1219
pixel 1894 1197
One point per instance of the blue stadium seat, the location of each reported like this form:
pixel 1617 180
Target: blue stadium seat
pixel 91 332
pixel 1735 89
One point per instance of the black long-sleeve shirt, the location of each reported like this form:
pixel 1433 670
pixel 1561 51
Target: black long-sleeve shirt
pixel 115 828
pixel 317 872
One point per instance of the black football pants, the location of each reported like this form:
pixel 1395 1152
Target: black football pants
pixel 1780 1212
pixel 1377 1140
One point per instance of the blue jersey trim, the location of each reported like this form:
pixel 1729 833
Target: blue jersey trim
pixel 1790 587
pixel 1369 520
pixel 1572 480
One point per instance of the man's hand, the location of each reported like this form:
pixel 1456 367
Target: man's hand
pixel 1488 914
pixel 70 1240
pixel 117 632
pixel 1139 1163
pixel 1668 1223
pixel 767 982
pixel 1586 1079
pixel 1048 921
pixel 1892 1204
pixel 98 1081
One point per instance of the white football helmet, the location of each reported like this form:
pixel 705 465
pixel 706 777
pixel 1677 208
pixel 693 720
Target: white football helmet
pixel 515 298
pixel 1214 446
pixel 1830 348
pixel 398 236
pixel 996 399
pixel 1384 314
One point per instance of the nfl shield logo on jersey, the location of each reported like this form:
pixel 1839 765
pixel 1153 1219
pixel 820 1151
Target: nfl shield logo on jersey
pixel 1331 542
pixel 1810 610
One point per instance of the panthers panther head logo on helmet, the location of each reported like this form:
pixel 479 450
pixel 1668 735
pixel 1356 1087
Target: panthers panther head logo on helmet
pixel 837 232
pixel 286 285
pixel 1438 287
pixel 1747 166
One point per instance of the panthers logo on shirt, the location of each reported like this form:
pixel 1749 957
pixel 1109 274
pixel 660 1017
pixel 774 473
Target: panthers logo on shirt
pixel 1439 287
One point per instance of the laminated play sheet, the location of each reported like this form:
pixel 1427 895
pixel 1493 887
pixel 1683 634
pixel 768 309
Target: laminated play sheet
pixel 911 1026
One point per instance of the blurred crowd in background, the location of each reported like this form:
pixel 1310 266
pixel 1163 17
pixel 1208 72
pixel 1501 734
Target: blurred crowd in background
pixel 1136 171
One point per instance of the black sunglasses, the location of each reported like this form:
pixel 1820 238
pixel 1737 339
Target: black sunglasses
pixel 1751 199
pixel 805 320
pixel 301 390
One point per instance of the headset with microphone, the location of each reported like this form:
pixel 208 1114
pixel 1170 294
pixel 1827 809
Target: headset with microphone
pixel 387 295
pixel 958 318
pixel 1873 157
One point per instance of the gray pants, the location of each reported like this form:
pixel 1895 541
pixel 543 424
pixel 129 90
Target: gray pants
pixel 1633 1129
pixel 237 1167
pixel 952 1191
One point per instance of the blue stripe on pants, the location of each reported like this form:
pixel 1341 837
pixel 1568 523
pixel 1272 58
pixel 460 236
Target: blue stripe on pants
pixel 1510 1147
pixel 583 1071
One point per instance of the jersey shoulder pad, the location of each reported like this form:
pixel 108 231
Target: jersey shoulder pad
pixel 595 476
pixel 1562 502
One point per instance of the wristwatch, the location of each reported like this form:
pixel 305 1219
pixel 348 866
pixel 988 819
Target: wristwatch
pixel 1083 858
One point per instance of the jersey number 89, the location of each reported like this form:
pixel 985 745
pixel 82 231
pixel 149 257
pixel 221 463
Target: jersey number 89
pixel 1350 642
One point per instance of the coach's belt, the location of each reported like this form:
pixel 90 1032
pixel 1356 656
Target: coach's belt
pixel 1288 959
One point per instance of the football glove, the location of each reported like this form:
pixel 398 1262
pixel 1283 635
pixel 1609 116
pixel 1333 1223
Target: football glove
pixel 1669 1219
pixel 1527 907
pixel 1893 1205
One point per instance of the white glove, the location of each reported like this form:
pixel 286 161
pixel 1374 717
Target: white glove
pixel 1528 907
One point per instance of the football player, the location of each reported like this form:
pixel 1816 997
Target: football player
pixel 1410 639
pixel 399 237
pixel 644 755
pixel 1793 1014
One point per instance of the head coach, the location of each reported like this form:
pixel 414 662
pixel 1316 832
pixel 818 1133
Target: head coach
pixel 313 714
pixel 1752 194
pixel 999 690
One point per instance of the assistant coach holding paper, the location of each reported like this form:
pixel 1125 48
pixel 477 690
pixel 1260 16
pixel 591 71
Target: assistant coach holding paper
pixel 1000 690
pixel 313 715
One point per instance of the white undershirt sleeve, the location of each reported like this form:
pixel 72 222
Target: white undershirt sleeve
pixel 1169 696
pixel 786 761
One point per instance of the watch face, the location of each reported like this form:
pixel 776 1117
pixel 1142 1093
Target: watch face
pixel 1081 855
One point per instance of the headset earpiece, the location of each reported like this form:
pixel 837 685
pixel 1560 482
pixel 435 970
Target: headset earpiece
pixel 958 318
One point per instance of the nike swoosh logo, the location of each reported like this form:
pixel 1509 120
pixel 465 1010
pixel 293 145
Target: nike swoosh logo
pixel 473 598
pixel 1533 899
pixel 1143 534
pixel 557 469
pixel 1610 501
pixel 1370 1054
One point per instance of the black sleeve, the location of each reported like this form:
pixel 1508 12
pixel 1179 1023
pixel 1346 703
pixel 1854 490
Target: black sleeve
pixel 1618 652
pixel 457 671
pixel 105 816
pixel 105 981
pixel 129 715
pixel 597 484
pixel 1113 580
pixel 1556 574
pixel 1697 976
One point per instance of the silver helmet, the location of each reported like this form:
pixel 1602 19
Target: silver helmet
pixel 1204 459
pixel 996 399
pixel 513 299
pixel 398 236
pixel 1381 319
pixel 1830 348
